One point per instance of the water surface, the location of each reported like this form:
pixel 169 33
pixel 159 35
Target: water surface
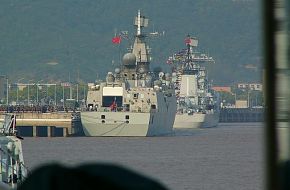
pixel 229 156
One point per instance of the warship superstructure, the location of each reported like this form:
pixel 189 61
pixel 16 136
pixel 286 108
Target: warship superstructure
pixel 12 169
pixel 133 101
pixel 196 103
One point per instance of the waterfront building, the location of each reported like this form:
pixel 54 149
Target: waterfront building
pixel 251 86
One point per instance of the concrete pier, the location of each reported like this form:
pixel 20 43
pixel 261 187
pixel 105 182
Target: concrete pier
pixel 242 115
pixel 49 131
pixel 34 131
pixel 53 121
pixel 65 133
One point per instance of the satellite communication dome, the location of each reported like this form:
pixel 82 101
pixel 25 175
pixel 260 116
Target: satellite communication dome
pixel 167 76
pixel 157 83
pixel 110 77
pixel 141 70
pixel 117 70
pixel 148 78
pixel 129 59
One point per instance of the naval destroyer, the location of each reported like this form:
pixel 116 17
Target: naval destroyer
pixel 197 104
pixel 133 101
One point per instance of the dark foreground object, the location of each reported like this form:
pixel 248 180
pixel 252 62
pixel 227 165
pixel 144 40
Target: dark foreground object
pixel 90 176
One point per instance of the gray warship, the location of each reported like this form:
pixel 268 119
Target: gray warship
pixel 197 104
pixel 12 169
pixel 133 101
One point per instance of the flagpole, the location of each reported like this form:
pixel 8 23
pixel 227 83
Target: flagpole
pixel 63 97
pixel 120 54
pixel 117 40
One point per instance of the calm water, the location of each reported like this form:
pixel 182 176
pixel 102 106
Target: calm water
pixel 227 157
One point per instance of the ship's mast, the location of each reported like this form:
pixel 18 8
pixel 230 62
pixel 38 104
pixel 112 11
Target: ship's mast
pixel 188 63
pixel 139 23
pixel 136 62
pixel 140 49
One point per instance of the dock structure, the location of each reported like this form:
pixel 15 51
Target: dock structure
pixel 51 122
pixel 242 115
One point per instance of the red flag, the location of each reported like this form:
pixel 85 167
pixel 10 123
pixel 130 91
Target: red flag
pixel 116 40
pixel 113 106
pixel 187 41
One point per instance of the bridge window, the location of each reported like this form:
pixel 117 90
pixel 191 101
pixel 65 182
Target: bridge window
pixel 109 100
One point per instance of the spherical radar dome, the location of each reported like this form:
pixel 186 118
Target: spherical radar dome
pixel 117 70
pixel 141 70
pixel 129 59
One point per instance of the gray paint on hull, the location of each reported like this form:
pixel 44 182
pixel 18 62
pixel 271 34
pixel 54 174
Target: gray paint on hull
pixel 140 124
pixel 196 120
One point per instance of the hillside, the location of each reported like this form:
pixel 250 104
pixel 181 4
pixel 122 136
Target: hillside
pixel 70 39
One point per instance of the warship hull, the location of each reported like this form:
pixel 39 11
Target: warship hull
pixel 126 123
pixel 197 120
